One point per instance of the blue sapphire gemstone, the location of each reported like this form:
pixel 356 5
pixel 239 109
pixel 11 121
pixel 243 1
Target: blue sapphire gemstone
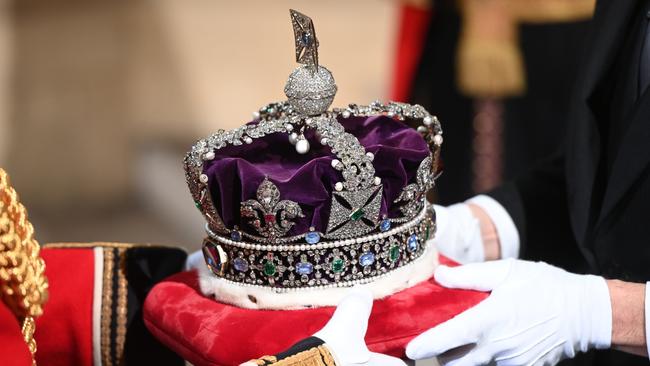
pixel 384 225
pixel 312 237
pixel 367 259
pixel 240 264
pixel 235 235
pixel 306 39
pixel 304 268
pixel 412 243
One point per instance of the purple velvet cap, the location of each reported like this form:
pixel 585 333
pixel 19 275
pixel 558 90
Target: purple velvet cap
pixel 236 171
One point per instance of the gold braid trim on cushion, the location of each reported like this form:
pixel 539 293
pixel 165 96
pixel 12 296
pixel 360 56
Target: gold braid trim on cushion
pixel 316 356
pixel 23 286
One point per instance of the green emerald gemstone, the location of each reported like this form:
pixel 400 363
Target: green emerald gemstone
pixel 197 204
pixel 393 253
pixel 426 232
pixel 337 265
pixel 357 214
pixel 269 268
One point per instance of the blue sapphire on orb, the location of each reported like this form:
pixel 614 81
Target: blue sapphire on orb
pixel 412 243
pixel 240 264
pixel 304 268
pixel 384 225
pixel 367 259
pixel 312 237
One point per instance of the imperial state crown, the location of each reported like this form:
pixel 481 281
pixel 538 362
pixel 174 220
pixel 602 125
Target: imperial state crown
pixel 304 200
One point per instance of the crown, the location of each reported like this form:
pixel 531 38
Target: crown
pixel 308 198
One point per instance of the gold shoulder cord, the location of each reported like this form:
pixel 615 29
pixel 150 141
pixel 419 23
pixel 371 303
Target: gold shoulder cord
pixel 23 286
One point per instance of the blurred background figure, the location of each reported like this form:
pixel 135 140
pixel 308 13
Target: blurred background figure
pixel 498 73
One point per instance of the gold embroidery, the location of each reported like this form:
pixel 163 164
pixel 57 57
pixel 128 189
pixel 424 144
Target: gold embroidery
pixel 489 60
pixel 91 245
pixel 23 285
pixel 328 358
pixel 107 300
pixel 317 356
pixel 122 307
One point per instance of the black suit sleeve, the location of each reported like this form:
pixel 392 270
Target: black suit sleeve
pixel 537 203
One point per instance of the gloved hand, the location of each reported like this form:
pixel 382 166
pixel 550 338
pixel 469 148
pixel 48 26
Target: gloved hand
pixel 537 314
pixel 458 234
pixel 346 330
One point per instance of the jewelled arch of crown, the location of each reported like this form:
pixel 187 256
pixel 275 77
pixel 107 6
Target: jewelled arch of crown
pixel 357 245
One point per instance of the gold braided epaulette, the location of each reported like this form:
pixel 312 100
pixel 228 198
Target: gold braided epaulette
pixel 23 286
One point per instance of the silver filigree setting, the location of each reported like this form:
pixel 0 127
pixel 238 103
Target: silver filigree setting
pixel 270 216
pixel 413 195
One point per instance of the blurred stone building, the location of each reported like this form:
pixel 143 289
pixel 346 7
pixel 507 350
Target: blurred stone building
pixel 100 100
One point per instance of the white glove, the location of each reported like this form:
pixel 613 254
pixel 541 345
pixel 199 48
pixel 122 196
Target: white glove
pixel 459 234
pixel 346 330
pixel 537 314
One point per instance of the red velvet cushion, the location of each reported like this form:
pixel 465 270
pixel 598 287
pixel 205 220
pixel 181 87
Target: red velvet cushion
pixel 206 332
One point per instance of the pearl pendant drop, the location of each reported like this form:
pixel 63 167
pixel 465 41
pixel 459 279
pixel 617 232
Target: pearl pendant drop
pixel 302 146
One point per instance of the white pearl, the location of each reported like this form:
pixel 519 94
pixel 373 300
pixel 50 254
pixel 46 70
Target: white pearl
pixel 391 114
pixel 302 146
pixel 209 155
pixel 335 163
pixel 293 138
pixel 256 115
pixel 288 127
pixel 370 155
pixel 422 129
pixel 377 181
pixel 437 139
pixel 203 178
pixel 346 114
pixel 248 140
pixel 323 141
pixel 338 186
pixel 428 120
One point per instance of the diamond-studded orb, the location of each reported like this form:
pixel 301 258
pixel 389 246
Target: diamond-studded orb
pixel 310 91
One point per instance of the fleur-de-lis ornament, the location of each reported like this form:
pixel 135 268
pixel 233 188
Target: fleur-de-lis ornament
pixel 268 215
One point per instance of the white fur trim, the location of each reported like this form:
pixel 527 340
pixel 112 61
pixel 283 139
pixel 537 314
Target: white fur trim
pixel 261 298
